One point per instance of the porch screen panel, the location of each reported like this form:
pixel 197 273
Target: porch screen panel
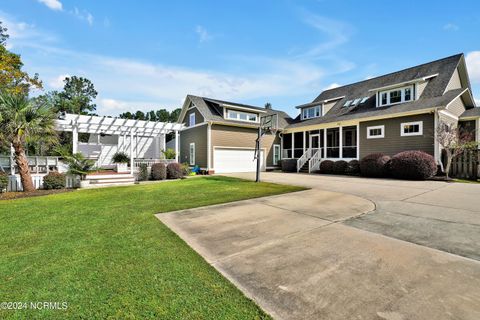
pixel 333 143
pixel 349 140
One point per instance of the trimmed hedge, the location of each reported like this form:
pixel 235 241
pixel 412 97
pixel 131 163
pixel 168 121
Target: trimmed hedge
pixel 413 165
pixel 326 166
pixel 159 171
pixel 3 181
pixel 289 165
pixel 353 167
pixel 174 171
pixel 142 172
pixel 340 167
pixel 54 180
pixel 374 165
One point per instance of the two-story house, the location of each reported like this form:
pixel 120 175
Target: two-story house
pixel 391 113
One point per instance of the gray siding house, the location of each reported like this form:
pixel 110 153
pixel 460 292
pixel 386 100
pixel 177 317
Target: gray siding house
pixel 219 136
pixel 391 113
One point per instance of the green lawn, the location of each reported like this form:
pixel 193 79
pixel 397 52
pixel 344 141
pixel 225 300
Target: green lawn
pixel 104 253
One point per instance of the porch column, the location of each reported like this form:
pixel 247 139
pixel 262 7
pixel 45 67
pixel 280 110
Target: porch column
pixel 293 145
pixel 325 143
pixel 358 141
pixel 75 139
pixel 340 142
pixel 304 141
pixel 131 152
pixel 177 143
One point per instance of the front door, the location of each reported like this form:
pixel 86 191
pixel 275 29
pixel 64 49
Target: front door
pixel 314 142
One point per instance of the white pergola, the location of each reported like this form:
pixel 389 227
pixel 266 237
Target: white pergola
pixel 76 124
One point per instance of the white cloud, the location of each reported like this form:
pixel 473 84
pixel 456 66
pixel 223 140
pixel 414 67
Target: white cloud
pixel 477 102
pixel 22 33
pixel 332 86
pixel 203 35
pixel 52 4
pixel 473 65
pixel 58 82
pixel 451 27
pixel 336 32
pixel 83 15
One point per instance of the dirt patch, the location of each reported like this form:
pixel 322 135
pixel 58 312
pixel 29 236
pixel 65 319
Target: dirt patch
pixel 37 193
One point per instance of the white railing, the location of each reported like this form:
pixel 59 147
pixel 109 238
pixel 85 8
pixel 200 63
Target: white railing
pixel 15 184
pixel 303 159
pixel 314 162
pixel 37 164
pixel 150 162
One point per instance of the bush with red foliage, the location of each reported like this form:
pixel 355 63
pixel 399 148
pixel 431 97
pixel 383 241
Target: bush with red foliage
pixel 326 166
pixel 159 171
pixel 174 171
pixel 413 165
pixel 340 167
pixel 374 165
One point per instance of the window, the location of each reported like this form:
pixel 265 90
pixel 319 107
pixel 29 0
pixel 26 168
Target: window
pixel 376 132
pixel 191 119
pixel 276 154
pixel 411 129
pixel 242 116
pixel 394 96
pixel 192 154
pixel 311 112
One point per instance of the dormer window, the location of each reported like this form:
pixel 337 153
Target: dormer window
pixel 242 116
pixel 394 96
pixel 310 112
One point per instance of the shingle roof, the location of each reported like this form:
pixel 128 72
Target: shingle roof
pixel 432 96
pixel 211 110
pixel 470 113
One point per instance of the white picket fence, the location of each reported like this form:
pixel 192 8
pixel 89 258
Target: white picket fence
pixel 14 183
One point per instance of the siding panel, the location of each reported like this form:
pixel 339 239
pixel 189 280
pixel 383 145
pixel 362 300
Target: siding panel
pixel 393 142
pixel 455 82
pixel 457 107
pixel 198 117
pixel 231 136
pixel 198 135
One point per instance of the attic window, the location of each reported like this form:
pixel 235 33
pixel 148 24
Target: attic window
pixel 242 116
pixel 311 112
pixel 394 96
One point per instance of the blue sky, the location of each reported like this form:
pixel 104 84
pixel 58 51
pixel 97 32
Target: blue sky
pixel 150 54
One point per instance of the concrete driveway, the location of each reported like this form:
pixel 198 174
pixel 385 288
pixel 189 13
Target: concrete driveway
pixel 338 251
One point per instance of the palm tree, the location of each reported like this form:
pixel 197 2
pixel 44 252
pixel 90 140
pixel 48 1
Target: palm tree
pixel 20 122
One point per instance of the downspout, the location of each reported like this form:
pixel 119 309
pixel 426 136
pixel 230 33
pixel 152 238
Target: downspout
pixel 209 146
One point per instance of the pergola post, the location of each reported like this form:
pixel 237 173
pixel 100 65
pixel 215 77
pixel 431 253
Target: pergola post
pixel 131 152
pixel 75 139
pixel 177 143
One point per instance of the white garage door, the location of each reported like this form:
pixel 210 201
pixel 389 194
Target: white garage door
pixel 236 160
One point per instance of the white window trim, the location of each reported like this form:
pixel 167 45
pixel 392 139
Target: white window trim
pixel 409 134
pixel 275 146
pixel 190 121
pixel 320 112
pixel 382 135
pixel 191 154
pixel 412 96
pixel 227 116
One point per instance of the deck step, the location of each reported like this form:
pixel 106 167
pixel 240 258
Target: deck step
pixel 108 176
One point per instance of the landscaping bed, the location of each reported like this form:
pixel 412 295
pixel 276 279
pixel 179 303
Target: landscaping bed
pixel 103 252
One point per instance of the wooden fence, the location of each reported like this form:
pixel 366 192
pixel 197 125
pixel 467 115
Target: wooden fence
pixel 466 165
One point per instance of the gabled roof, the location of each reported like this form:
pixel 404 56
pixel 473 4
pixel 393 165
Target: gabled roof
pixel 212 110
pixel 438 73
